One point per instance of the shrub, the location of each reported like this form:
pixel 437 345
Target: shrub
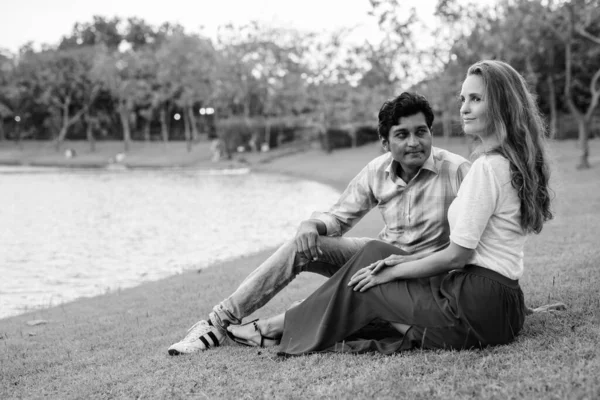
pixel 238 131
pixel 337 138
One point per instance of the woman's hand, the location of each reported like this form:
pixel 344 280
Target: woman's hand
pixel 365 279
pixel 376 273
pixel 389 261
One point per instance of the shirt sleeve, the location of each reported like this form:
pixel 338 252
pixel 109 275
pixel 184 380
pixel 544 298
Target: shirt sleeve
pixel 354 203
pixel 475 204
pixel 461 173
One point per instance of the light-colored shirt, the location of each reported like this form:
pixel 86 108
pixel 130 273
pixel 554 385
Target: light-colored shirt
pixel 486 217
pixel 415 213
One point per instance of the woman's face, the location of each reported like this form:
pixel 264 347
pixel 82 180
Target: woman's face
pixel 473 108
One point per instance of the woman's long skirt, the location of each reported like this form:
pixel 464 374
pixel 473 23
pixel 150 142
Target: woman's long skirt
pixel 469 308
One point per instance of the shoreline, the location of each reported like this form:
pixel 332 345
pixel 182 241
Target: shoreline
pixel 141 155
pixel 238 169
pixel 261 165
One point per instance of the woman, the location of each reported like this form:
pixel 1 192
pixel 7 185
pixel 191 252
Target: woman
pixel 466 295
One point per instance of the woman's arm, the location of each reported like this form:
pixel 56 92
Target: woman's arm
pixel 452 257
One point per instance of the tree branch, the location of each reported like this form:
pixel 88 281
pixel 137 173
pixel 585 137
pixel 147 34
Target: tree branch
pixel 551 25
pixel 587 35
pixel 595 94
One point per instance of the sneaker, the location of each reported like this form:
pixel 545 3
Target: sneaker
pixel 201 336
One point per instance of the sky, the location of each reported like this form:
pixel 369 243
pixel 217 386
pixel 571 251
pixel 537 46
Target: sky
pixel 45 21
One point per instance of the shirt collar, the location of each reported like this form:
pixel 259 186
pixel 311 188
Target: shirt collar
pixel 429 165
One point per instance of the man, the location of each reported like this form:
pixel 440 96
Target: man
pixel 412 184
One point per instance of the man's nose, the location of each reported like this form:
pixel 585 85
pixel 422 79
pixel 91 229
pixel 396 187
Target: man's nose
pixel 412 140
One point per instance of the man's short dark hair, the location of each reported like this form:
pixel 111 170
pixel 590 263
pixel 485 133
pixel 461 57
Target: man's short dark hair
pixel 405 105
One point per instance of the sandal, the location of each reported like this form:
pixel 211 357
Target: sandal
pixel 265 341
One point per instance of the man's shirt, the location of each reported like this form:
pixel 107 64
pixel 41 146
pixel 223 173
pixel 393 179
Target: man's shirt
pixel 415 213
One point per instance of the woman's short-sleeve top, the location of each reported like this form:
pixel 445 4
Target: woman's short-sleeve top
pixel 485 217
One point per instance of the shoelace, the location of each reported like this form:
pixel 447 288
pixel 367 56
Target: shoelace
pixel 204 328
pixel 198 331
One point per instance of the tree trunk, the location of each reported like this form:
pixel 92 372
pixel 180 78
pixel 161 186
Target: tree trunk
pixel 553 111
pixel 268 132
pixel 582 119
pixel 354 136
pixel 62 134
pixel 89 133
pixel 446 125
pixel 583 144
pixel 18 136
pixel 61 137
pixel 193 124
pixel 147 131
pixel 187 133
pixel 164 130
pixel 2 135
pixel 124 114
pixel 247 109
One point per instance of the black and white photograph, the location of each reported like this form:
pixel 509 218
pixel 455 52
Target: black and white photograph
pixel 261 199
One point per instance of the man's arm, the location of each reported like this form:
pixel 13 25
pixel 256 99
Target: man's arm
pixel 307 238
pixel 354 203
pixel 356 200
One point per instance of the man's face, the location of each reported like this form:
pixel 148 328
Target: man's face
pixel 409 142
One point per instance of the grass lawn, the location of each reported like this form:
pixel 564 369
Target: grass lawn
pixel 114 346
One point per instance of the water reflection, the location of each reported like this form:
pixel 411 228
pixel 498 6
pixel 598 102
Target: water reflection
pixel 66 234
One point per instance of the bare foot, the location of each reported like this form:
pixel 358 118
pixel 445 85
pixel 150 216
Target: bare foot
pixel 249 334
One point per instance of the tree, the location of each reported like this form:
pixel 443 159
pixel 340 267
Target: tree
pixel 22 95
pixel 186 67
pixel 119 74
pixel 434 70
pixel 101 31
pixel 332 76
pixel 236 87
pixel 69 91
pixel 580 19
pixel 140 35
pixel 278 73
pixel 6 67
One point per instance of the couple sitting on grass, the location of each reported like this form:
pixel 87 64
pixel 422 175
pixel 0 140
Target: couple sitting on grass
pixel 444 271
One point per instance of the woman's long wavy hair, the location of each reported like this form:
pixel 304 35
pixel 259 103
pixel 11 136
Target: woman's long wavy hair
pixel 513 116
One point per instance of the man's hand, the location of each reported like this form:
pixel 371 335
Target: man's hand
pixel 307 240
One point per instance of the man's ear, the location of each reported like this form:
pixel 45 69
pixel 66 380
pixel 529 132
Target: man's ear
pixel 384 143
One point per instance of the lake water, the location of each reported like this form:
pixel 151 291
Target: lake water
pixel 65 234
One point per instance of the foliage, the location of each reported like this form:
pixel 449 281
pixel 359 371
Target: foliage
pixel 553 44
pixel 112 78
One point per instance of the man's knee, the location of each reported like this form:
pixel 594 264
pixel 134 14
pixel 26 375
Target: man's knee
pixel 289 251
